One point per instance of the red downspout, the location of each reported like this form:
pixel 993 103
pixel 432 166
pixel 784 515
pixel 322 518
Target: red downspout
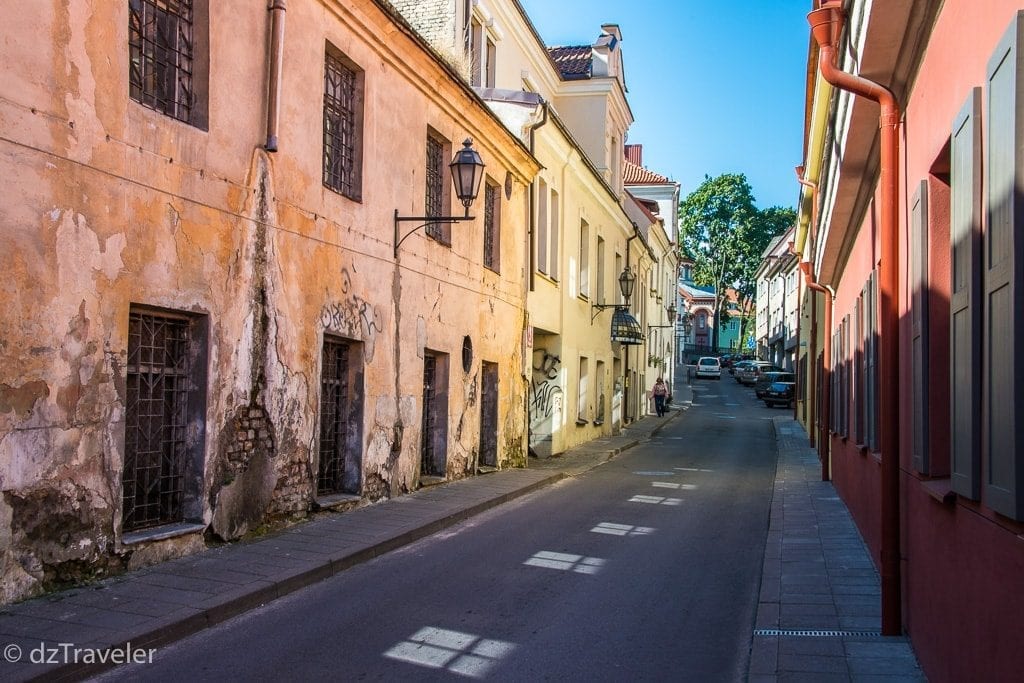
pixel 826 26
pixel 825 417
pixel 277 10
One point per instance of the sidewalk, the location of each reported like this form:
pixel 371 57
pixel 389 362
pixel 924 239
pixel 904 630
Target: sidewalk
pixel 819 611
pixel 126 615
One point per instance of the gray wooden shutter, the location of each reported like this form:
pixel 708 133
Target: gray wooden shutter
pixel 919 327
pixel 872 371
pixel 965 300
pixel 858 370
pixel 1003 372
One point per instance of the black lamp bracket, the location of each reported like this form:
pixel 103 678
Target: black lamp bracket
pixel 595 310
pixel 423 222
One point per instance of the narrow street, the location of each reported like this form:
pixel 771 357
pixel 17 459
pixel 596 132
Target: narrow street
pixel 646 568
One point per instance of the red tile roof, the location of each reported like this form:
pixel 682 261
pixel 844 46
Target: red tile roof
pixel 638 175
pixel 573 61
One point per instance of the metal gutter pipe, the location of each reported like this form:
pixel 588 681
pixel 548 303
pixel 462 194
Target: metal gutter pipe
pixel 277 10
pixel 533 195
pixel 825 417
pixel 826 26
pixel 812 346
pixel 796 365
pixel 625 366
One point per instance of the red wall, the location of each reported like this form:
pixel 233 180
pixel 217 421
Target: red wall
pixel 963 566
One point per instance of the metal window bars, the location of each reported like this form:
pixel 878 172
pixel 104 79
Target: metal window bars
pixel 434 204
pixel 490 227
pixel 161 56
pixel 156 420
pixel 334 397
pixel 339 127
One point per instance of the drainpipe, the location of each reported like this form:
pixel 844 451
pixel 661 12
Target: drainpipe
pixel 812 346
pixel 533 195
pixel 796 364
pixel 826 371
pixel 625 366
pixel 826 26
pixel 277 10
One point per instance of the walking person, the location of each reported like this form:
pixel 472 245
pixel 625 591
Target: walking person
pixel 660 393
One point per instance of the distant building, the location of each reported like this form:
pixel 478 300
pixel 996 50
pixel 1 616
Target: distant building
pixel 777 297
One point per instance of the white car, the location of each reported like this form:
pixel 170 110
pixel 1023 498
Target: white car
pixel 709 367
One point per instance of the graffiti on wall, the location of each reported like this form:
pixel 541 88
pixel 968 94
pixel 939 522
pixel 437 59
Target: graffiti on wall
pixel 353 317
pixel 545 400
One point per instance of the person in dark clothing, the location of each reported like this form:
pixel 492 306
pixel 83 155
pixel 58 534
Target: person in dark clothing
pixel 660 393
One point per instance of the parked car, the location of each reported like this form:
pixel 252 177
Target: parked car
pixel 780 392
pixel 767 378
pixel 709 367
pixel 750 373
pixel 734 370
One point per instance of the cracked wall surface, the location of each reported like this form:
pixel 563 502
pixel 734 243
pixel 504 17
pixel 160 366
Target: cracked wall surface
pixel 110 206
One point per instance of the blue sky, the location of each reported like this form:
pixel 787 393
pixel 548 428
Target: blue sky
pixel 716 86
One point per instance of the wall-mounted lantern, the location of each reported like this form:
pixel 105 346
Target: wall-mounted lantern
pixel 467 174
pixel 625 329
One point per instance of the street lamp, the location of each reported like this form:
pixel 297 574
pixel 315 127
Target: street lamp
pixel 626 281
pixel 671 311
pixel 467 171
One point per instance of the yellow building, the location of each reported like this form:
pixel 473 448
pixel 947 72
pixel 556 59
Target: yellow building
pixel 208 320
pixel 570 105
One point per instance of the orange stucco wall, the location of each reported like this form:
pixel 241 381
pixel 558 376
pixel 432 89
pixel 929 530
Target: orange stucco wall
pixel 107 203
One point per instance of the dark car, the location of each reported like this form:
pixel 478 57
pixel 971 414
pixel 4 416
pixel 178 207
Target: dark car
pixel 767 378
pixel 779 392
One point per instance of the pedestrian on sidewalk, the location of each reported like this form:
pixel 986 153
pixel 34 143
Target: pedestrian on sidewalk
pixel 660 393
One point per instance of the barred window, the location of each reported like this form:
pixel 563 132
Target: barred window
pixel 492 225
pixel 438 197
pixel 161 47
pixel 342 125
pixel 164 382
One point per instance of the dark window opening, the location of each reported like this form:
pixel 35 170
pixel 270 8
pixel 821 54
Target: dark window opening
pixel 342 125
pixel 489 415
pixel 333 409
pixel 437 195
pixel 434 421
pixel 161 56
pixel 492 225
pixel 164 384
pixel 467 354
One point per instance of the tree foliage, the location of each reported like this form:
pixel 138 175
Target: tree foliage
pixel 725 234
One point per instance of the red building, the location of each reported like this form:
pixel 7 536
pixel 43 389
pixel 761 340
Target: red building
pixel 912 213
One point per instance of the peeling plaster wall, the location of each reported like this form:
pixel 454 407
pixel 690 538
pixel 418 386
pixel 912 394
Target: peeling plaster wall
pixel 108 204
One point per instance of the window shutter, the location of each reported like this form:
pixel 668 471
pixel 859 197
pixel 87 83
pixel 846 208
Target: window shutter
pixel 965 300
pixel 871 300
pixel 858 369
pixel 1002 372
pixel 919 326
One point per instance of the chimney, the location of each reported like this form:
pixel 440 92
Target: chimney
pixel 635 154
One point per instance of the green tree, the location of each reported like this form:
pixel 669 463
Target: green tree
pixel 725 234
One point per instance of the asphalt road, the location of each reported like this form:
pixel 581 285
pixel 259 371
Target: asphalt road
pixel 646 568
